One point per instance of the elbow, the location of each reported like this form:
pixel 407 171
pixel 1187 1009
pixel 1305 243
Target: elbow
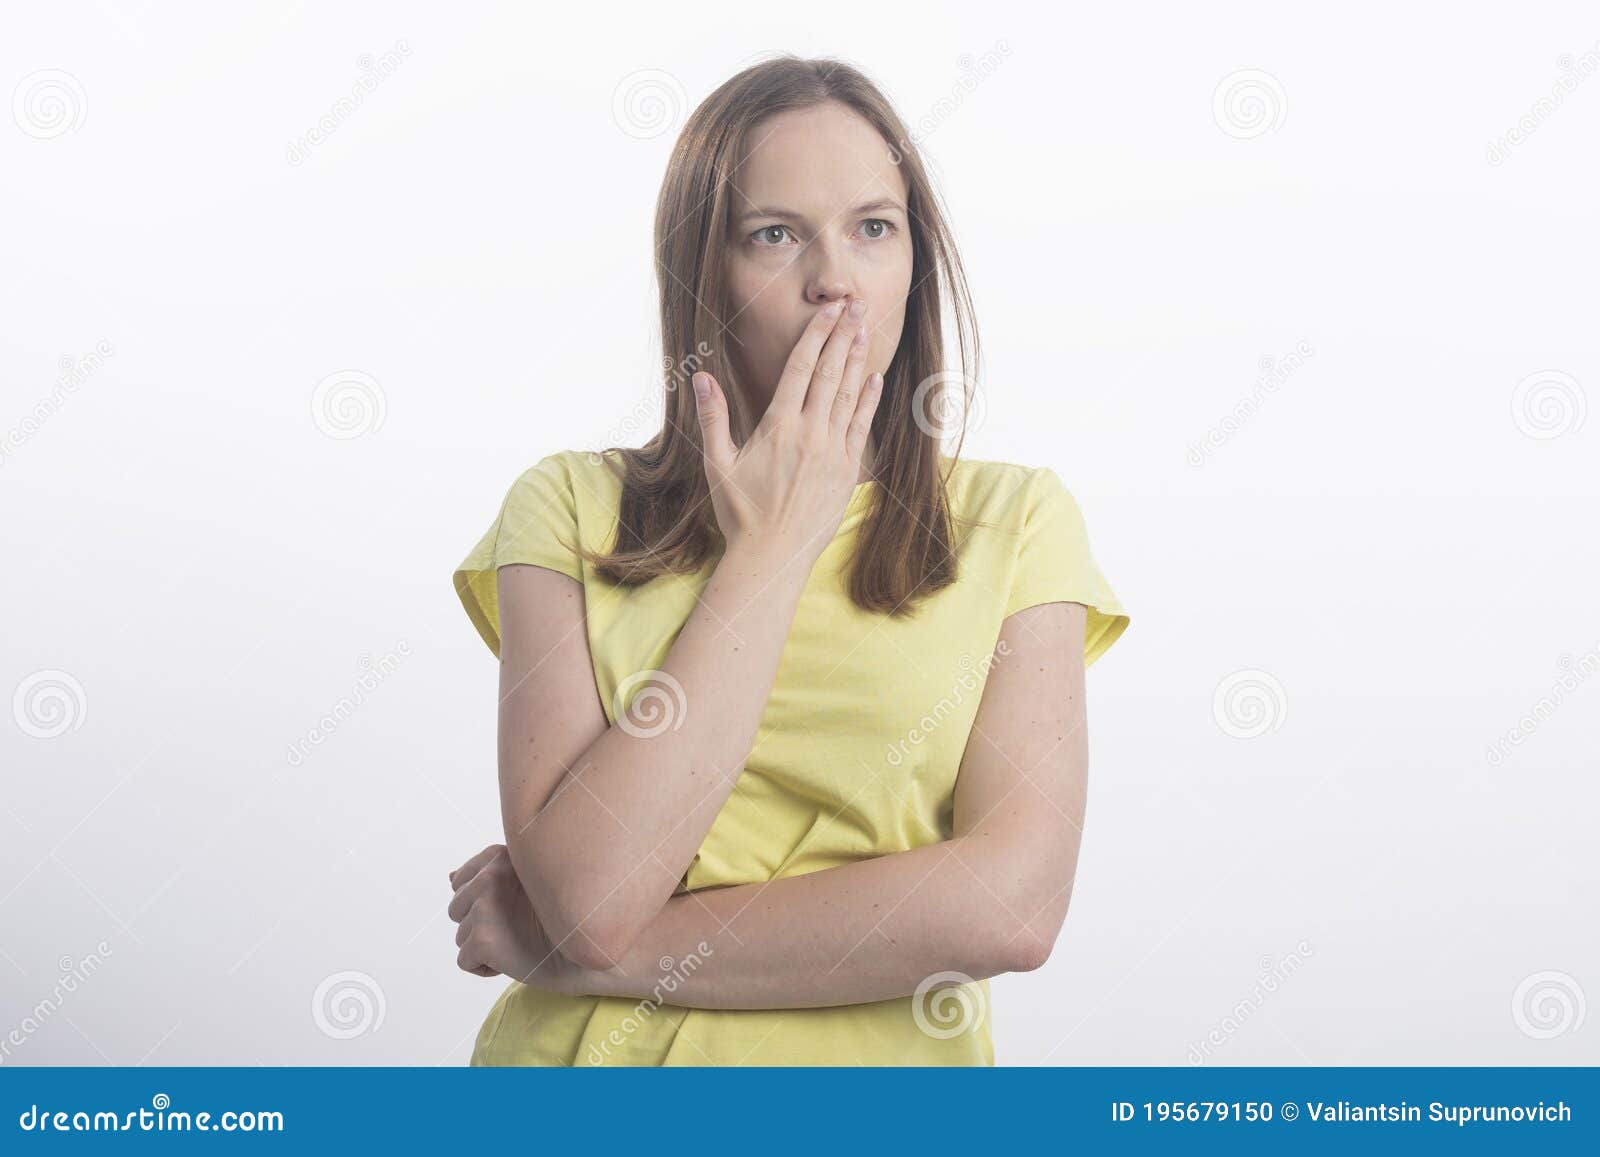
pixel 591 936
pixel 572 919
pixel 1025 947
pixel 583 946
pixel 1026 951
pixel 1008 945
pixel 586 924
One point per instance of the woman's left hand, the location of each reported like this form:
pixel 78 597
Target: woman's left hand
pixel 499 931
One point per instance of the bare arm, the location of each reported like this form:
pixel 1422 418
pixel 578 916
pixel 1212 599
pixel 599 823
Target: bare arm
pixel 992 899
pixel 601 821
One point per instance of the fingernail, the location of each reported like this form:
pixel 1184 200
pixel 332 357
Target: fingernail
pixel 857 308
pixel 831 310
pixel 702 387
pixel 862 336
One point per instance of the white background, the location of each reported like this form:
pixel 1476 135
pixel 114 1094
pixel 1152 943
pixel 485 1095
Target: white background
pixel 1398 537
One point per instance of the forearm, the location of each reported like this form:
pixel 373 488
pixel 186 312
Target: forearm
pixel 860 932
pixel 607 849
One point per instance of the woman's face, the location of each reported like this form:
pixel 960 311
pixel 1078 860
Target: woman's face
pixel 818 214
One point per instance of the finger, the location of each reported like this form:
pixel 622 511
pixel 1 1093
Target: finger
pixel 468 959
pixel 461 903
pixel 470 869
pixel 463 930
pixel 851 383
pixel 831 365
pixel 711 407
pixel 484 970
pixel 855 439
pixel 795 380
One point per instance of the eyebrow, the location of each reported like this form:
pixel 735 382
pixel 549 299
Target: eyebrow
pixel 869 206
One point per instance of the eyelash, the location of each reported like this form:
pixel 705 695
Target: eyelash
pixel 890 229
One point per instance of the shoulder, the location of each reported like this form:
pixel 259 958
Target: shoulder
pixel 550 510
pixel 576 467
pixel 1008 494
pixel 1039 544
pixel 573 479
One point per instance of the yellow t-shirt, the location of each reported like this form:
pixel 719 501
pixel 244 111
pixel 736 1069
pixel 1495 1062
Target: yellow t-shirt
pixel 856 755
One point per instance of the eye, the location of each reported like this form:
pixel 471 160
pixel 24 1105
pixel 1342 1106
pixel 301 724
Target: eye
pixel 885 228
pixel 764 236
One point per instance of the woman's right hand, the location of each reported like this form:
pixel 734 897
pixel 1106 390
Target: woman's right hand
pixel 783 493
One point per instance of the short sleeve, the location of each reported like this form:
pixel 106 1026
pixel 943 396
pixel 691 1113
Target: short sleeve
pixel 1054 563
pixel 537 524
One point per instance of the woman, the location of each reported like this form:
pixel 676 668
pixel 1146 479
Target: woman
pixel 791 737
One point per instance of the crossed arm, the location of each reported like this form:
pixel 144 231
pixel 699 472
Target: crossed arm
pixel 991 899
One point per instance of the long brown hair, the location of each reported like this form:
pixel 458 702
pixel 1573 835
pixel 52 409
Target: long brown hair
pixel 666 524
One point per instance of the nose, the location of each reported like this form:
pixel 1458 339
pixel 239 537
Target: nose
pixel 829 277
